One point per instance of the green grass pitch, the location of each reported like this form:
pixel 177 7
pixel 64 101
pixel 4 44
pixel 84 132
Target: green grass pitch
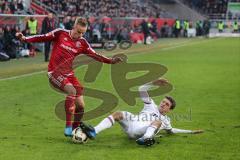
pixel 206 78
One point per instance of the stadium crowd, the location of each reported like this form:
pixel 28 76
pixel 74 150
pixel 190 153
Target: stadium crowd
pixel 209 6
pixel 107 28
pixel 11 7
pixel 99 30
pixel 215 9
pixel 110 8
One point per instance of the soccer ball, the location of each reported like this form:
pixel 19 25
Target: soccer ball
pixel 78 136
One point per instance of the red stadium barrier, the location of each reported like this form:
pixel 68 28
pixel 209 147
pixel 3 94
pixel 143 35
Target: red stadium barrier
pixel 136 37
pixel 38 9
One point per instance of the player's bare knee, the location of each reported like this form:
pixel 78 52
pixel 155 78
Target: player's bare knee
pixel 117 116
pixel 70 90
pixel 80 104
pixel 156 123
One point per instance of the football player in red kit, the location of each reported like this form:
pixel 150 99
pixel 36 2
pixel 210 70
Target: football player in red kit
pixel 67 45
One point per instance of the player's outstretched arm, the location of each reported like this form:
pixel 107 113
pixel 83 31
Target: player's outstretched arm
pixel 176 130
pixel 101 58
pixel 144 88
pixel 37 38
pixel 144 94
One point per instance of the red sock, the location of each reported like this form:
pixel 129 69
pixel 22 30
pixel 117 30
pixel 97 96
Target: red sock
pixel 79 111
pixel 69 109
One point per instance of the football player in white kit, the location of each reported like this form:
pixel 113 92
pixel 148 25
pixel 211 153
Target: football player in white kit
pixel 147 123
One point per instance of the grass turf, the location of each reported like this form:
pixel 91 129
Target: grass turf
pixel 205 74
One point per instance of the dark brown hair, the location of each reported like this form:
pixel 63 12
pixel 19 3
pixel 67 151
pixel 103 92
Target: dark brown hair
pixel 173 102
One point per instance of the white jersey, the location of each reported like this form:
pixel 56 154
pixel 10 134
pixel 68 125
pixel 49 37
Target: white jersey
pixel 151 111
pixel 136 125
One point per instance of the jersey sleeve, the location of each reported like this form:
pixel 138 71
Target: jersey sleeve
pixel 176 130
pixel 43 37
pixel 166 124
pixel 93 54
pixel 144 94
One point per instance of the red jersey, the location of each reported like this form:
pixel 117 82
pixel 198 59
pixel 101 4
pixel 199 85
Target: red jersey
pixel 65 49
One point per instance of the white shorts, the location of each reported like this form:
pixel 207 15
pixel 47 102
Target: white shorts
pixel 134 125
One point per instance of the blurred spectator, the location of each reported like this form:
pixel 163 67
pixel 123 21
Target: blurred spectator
pixel 123 34
pixel 109 31
pixel 145 30
pixel 199 27
pixel 20 5
pixel 32 25
pixel 1 39
pixel 68 23
pixel 154 29
pixel 165 30
pixel 220 26
pixel 235 26
pixel 11 7
pixel 48 25
pixel 96 31
pixel 177 28
pixel 9 45
pixel 89 32
pixel 206 27
pixel 61 23
pixel 185 27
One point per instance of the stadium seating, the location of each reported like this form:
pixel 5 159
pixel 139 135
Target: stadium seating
pixel 11 7
pixel 110 8
pixel 214 9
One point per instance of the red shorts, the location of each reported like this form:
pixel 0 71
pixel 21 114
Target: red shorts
pixel 58 81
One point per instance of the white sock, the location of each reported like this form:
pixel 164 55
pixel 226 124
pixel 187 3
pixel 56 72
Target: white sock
pixel 104 124
pixel 151 130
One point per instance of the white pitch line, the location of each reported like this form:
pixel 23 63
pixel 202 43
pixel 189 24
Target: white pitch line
pixel 189 44
pixel 23 75
pixel 182 44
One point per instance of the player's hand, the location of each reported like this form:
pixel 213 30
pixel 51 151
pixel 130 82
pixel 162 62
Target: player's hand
pixel 117 60
pixel 197 131
pixel 20 36
pixel 160 82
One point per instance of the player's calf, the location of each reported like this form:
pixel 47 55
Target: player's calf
pixel 79 111
pixel 107 122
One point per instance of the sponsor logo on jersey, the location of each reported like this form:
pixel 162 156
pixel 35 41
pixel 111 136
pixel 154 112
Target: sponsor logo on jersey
pixel 69 48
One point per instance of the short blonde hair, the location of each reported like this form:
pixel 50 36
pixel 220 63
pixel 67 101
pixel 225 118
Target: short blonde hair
pixel 81 21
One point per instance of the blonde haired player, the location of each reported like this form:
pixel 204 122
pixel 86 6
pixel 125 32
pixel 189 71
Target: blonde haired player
pixel 147 123
pixel 68 44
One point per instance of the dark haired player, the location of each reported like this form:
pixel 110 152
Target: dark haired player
pixel 144 126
